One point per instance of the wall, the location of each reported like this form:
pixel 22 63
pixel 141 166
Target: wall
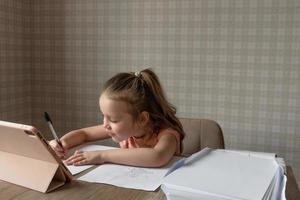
pixel 236 62
pixel 15 60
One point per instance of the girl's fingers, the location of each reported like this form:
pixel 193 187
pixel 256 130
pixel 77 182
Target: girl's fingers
pixel 59 150
pixel 78 152
pixel 77 157
pixel 82 162
pixel 60 155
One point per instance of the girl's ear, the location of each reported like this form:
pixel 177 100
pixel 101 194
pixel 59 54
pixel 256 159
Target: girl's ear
pixel 144 118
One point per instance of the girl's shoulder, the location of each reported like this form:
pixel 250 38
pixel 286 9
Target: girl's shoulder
pixel 168 130
pixel 171 131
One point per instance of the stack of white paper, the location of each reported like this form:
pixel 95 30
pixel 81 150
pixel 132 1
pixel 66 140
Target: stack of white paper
pixel 225 174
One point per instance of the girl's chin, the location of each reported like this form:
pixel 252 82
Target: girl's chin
pixel 115 139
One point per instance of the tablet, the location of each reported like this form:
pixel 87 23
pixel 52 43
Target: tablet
pixel 26 159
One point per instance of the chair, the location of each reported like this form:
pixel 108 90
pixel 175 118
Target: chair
pixel 201 133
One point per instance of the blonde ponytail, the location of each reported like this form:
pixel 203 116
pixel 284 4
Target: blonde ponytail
pixel 164 111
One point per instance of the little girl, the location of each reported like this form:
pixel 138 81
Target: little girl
pixel 136 115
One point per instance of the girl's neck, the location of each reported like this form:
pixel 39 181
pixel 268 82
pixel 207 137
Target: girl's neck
pixel 147 133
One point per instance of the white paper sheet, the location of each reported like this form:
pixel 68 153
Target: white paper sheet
pixel 77 169
pixel 148 179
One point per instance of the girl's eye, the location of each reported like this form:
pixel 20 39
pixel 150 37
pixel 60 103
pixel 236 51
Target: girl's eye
pixel 113 121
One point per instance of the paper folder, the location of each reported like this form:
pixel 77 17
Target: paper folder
pixel 27 160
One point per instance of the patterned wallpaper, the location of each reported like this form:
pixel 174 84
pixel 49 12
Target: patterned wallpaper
pixel 236 62
pixel 15 60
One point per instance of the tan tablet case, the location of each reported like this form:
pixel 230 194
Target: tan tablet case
pixel 26 159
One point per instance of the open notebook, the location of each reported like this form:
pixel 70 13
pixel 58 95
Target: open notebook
pixel 26 159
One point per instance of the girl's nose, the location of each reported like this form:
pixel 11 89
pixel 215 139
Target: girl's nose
pixel 106 124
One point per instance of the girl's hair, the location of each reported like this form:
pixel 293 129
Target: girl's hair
pixel 143 92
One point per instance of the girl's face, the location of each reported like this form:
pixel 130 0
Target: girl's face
pixel 116 119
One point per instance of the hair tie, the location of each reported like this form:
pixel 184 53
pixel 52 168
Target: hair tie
pixel 137 74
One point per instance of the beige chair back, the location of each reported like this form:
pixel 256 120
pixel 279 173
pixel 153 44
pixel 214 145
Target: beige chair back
pixel 201 133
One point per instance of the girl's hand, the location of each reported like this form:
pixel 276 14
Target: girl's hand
pixel 85 157
pixel 59 150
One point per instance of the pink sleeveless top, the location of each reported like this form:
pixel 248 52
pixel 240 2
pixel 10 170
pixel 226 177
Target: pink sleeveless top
pixel 133 142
